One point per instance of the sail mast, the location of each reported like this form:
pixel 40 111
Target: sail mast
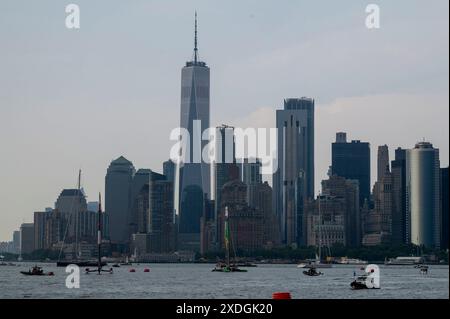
pixel 320 231
pixel 227 236
pixel 99 232
pixel 77 248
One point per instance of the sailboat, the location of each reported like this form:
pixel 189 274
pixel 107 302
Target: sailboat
pixel 77 252
pixel 227 266
pixel 99 269
pixel 317 263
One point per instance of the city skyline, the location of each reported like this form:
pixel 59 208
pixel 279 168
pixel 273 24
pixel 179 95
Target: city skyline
pixel 59 159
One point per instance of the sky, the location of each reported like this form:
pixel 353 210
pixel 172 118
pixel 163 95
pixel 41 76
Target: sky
pixel 79 98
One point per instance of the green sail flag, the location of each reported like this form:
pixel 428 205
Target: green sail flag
pixel 227 234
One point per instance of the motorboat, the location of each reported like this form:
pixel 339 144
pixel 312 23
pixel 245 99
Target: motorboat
pixel 222 267
pixel 312 272
pixel 36 271
pixel 369 280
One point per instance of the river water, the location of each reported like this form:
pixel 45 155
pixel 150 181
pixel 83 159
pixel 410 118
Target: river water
pixel 196 281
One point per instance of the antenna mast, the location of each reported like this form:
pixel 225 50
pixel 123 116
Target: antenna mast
pixel 195 40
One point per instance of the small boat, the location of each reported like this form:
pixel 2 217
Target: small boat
pixel 404 261
pixel 227 266
pixel 424 269
pixel 222 267
pixel 116 266
pixel 369 280
pixel 312 272
pixel 36 271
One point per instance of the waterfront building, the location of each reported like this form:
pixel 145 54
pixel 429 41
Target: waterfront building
pixel 118 202
pixel 194 173
pixel 445 211
pixel 423 194
pixel 26 238
pixel 398 170
pixel 348 190
pixel 351 160
pixel 246 223
pixel 325 221
pixel 383 161
pixel 293 182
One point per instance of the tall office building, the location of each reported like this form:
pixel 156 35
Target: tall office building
pixel 169 170
pixel 399 197
pixel 225 167
pixel 423 194
pixel 161 214
pixel 246 223
pixel 27 238
pixel 378 221
pixel 250 171
pixel 194 177
pixel 140 180
pixel 70 204
pixel 293 182
pixel 348 190
pixel 445 212
pixel 16 241
pixel 352 161
pixel 325 221
pixel 118 201
pixel 383 161
pixel 41 220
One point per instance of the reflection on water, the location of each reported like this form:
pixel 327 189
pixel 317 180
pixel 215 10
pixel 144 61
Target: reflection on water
pixel 192 281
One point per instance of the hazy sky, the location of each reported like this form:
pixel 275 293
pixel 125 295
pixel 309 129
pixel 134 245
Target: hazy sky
pixel 73 99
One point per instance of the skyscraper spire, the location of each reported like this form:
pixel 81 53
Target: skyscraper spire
pixel 195 40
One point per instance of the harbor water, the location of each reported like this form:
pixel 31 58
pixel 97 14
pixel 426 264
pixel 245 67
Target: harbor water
pixel 196 281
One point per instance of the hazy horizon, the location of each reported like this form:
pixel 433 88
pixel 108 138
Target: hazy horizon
pixel 72 99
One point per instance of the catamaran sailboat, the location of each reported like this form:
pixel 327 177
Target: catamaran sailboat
pixel 227 266
pixel 77 261
pixel 99 269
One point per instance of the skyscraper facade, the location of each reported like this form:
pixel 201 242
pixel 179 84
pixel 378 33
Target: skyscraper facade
pixel 246 223
pixel 140 180
pixel 161 214
pixel 293 182
pixel 398 169
pixel 118 201
pixel 348 190
pixel 423 194
pixel 41 220
pixel 27 238
pixel 352 161
pixel 445 211
pixel 71 204
pixel 225 167
pixel 194 177
pixel 383 161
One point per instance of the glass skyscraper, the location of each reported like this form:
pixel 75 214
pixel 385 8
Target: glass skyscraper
pixel 118 201
pixel 352 161
pixel 194 177
pixel 423 194
pixel 294 179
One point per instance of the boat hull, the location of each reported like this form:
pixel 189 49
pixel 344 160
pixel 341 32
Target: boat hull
pixel 312 275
